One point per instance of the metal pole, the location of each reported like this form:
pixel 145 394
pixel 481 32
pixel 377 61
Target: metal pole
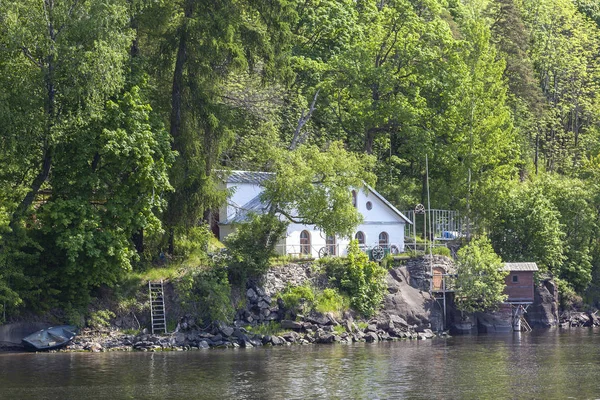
pixel 429 215
pixel 444 288
pixel 415 230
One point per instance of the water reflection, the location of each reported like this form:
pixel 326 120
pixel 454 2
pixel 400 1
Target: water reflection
pixel 547 364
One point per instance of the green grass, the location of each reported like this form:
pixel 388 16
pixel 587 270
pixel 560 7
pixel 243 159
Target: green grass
pixel 279 261
pixel 339 329
pixel 157 273
pixel 330 300
pixel 272 328
pixel 362 325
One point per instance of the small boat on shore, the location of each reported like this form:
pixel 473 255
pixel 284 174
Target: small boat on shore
pixel 50 338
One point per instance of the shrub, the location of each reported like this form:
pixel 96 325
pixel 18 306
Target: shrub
pixel 362 280
pixel 568 298
pixel 298 298
pixel 252 246
pixel 330 300
pixel 388 261
pixel 339 329
pixel 206 295
pixel 480 281
pixel 191 240
pixel 100 319
pixel 441 251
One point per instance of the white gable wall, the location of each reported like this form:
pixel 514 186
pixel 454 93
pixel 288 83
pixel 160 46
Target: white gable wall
pixel 380 218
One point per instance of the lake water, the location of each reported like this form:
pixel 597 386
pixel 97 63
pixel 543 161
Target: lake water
pixel 542 365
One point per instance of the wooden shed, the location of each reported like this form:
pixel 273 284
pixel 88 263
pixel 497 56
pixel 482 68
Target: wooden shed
pixel 519 281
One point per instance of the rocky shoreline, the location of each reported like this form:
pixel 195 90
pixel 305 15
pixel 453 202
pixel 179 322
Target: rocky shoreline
pixel 312 330
pixel 579 320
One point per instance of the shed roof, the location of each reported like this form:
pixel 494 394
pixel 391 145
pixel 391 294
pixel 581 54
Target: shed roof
pixel 520 266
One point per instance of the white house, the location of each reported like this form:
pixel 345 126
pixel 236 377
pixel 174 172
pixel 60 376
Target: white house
pixel 383 225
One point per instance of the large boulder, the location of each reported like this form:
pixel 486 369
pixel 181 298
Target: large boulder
pixel 288 324
pixel 405 304
pixel 371 337
pixel 543 313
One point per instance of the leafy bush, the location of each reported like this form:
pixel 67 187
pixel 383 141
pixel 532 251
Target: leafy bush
pixel 100 319
pixel 480 282
pixel 252 245
pixel 191 240
pixel 339 329
pixel 388 261
pixel 441 251
pixel 362 280
pixel 568 298
pixel 330 300
pixel 298 298
pixel 206 295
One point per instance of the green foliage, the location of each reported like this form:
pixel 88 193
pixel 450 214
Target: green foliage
pixel 362 280
pixel 192 241
pixel 100 319
pixel 362 325
pixel 298 298
pixel 330 300
pixel 206 295
pixel 339 329
pixel 252 246
pixel 312 186
pixel 480 281
pixel 76 317
pixel 270 328
pixel 567 297
pixel 441 251
pixel 527 227
pixel 96 99
pixel 303 299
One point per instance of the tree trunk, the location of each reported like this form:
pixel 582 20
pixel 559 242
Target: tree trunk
pixel 46 162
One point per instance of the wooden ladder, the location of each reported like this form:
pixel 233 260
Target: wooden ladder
pixel 524 325
pixel 157 307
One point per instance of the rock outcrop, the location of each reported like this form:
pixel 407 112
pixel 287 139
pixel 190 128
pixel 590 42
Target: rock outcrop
pixel 543 313
pixel 410 304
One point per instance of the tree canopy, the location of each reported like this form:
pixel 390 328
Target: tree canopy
pixel 115 116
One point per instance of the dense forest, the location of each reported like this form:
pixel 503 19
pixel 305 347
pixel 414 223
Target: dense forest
pixel 118 116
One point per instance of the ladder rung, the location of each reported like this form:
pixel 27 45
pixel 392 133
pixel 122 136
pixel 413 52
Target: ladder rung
pixel 157 306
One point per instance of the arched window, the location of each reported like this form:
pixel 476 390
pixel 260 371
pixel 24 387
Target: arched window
pixel 384 239
pixel 330 243
pixel 354 199
pixel 360 237
pixel 304 242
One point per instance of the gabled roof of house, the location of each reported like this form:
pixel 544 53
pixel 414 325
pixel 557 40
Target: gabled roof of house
pixel 388 204
pixel 520 266
pixel 255 177
pixel 257 206
pixel 254 206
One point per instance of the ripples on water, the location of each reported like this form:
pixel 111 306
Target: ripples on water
pixel 542 365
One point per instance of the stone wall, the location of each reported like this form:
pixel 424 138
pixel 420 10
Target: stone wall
pixel 278 278
pixel 419 269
